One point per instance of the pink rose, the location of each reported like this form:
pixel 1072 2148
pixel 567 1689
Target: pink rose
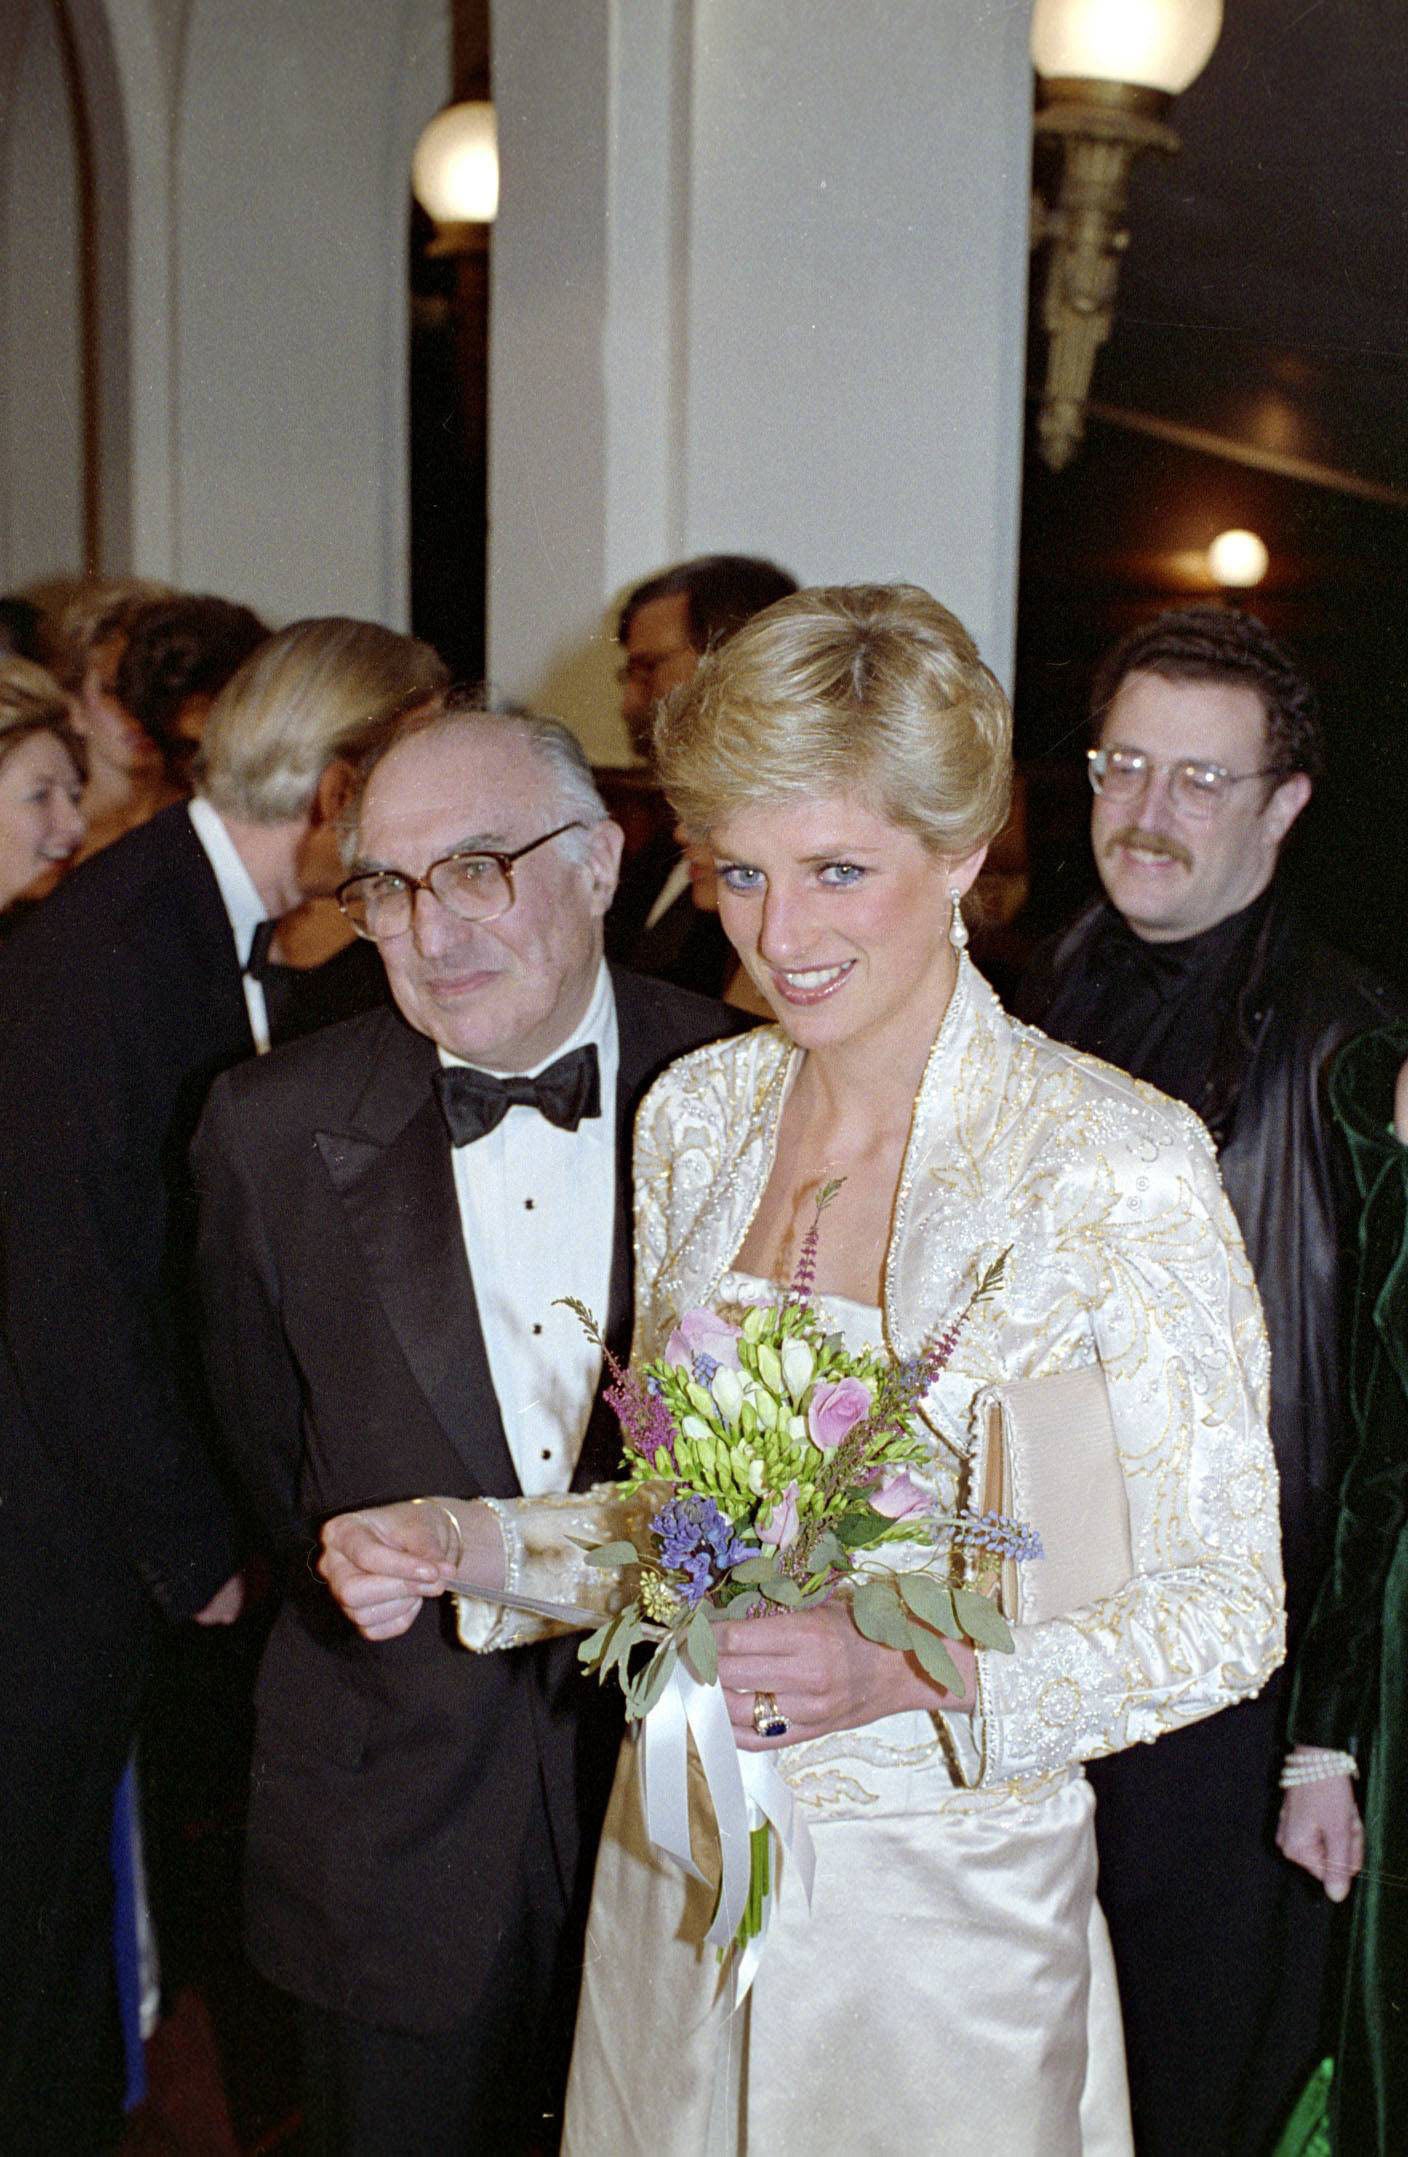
pixel 781 1530
pixel 836 1408
pixel 900 1497
pixel 703 1333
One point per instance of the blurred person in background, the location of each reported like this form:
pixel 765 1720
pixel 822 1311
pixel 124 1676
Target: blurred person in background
pixel 21 628
pixel 127 776
pixel 42 768
pixel 665 920
pixel 178 656
pixel 1349 1705
pixel 132 988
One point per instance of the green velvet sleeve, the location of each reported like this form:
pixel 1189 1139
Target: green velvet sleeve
pixel 1336 1671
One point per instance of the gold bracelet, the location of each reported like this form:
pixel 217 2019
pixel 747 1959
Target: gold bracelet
pixel 455 1529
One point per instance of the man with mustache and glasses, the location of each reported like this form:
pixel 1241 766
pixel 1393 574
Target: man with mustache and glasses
pixel 1193 973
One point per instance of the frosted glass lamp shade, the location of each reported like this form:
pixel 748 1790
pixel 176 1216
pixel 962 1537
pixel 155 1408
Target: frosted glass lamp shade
pixel 1238 560
pixel 455 169
pixel 1157 44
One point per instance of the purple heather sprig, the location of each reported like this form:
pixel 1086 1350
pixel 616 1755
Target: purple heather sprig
pixel 804 1278
pixel 646 1423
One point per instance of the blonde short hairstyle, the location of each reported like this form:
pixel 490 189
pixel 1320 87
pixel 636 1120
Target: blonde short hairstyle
pixel 31 702
pixel 870 689
pixel 316 691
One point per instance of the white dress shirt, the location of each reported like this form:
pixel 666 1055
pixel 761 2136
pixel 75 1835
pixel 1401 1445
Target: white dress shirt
pixel 538 1211
pixel 674 887
pixel 242 903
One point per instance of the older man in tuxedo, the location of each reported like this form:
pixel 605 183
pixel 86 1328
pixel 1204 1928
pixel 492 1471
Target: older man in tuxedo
pixel 389 1211
pixel 123 997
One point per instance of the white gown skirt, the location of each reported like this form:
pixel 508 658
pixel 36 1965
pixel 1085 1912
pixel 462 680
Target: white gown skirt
pixel 951 1992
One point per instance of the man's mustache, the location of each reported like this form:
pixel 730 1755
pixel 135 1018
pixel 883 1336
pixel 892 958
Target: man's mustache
pixel 1150 842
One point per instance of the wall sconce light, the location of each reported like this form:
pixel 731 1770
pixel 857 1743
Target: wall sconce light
pixel 1109 72
pixel 1237 560
pixel 455 175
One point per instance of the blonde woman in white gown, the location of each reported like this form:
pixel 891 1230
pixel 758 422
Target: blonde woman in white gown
pixel 846 758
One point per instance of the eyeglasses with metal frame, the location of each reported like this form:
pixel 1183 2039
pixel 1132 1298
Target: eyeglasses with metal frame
pixel 475 884
pixel 1195 788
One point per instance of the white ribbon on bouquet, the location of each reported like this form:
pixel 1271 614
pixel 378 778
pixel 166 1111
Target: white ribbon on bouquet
pixel 744 1788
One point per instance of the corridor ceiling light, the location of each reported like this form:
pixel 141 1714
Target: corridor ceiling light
pixel 1109 71
pixel 1238 560
pixel 455 171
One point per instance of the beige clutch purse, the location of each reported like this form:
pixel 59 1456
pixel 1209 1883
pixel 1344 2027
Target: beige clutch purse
pixel 1046 1455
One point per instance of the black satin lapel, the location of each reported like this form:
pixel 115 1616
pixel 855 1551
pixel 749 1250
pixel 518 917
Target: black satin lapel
pixel 400 1198
pixel 640 1053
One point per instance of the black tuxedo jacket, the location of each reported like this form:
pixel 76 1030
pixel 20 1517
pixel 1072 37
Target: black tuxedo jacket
pixel 122 999
pixel 398 1787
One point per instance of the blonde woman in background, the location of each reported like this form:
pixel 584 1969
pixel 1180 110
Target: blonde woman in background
pixel 42 768
pixel 128 780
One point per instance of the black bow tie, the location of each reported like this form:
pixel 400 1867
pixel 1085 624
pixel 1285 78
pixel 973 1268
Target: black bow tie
pixel 474 1102
pixel 258 963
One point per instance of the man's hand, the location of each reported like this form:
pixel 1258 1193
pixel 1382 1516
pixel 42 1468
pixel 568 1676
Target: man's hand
pixel 225 1605
pixel 1400 1104
pixel 382 1564
pixel 1320 1829
pixel 823 1674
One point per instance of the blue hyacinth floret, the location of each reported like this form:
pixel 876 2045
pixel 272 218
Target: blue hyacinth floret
pixel 1000 1534
pixel 698 1540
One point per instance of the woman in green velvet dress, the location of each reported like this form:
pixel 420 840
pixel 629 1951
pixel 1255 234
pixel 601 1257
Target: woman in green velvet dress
pixel 1351 1691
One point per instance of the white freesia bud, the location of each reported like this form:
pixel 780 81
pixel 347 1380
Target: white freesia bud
pixel 764 1407
pixel 769 1367
pixel 796 1427
pixel 798 1363
pixel 755 1479
pixel 727 1388
pixel 694 1427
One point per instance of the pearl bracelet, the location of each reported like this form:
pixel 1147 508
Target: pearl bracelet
pixel 1316 1764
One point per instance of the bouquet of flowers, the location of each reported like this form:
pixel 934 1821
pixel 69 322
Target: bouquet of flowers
pixel 778 1463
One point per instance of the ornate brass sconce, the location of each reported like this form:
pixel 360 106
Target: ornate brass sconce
pixel 1109 71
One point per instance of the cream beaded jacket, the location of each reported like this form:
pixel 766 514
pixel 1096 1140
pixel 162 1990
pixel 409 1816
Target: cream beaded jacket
pixel 1122 1249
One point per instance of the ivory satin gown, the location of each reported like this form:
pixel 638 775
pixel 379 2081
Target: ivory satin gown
pixel 952 1990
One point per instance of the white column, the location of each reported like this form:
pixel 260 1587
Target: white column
pixel 760 281
pixel 41 406
pixel 295 134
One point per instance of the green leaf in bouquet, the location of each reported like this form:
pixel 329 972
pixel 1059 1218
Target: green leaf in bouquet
pixel 700 1652
pixel 782 1590
pixel 754 1571
pixel 624 1635
pixel 642 1692
pixel 930 1601
pixel 826 1552
pixel 746 1604
pixel 856 1529
pixel 589 1649
pixel 613 1554
pixel 981 1620
pixel 935 1658
pixel 875 1606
